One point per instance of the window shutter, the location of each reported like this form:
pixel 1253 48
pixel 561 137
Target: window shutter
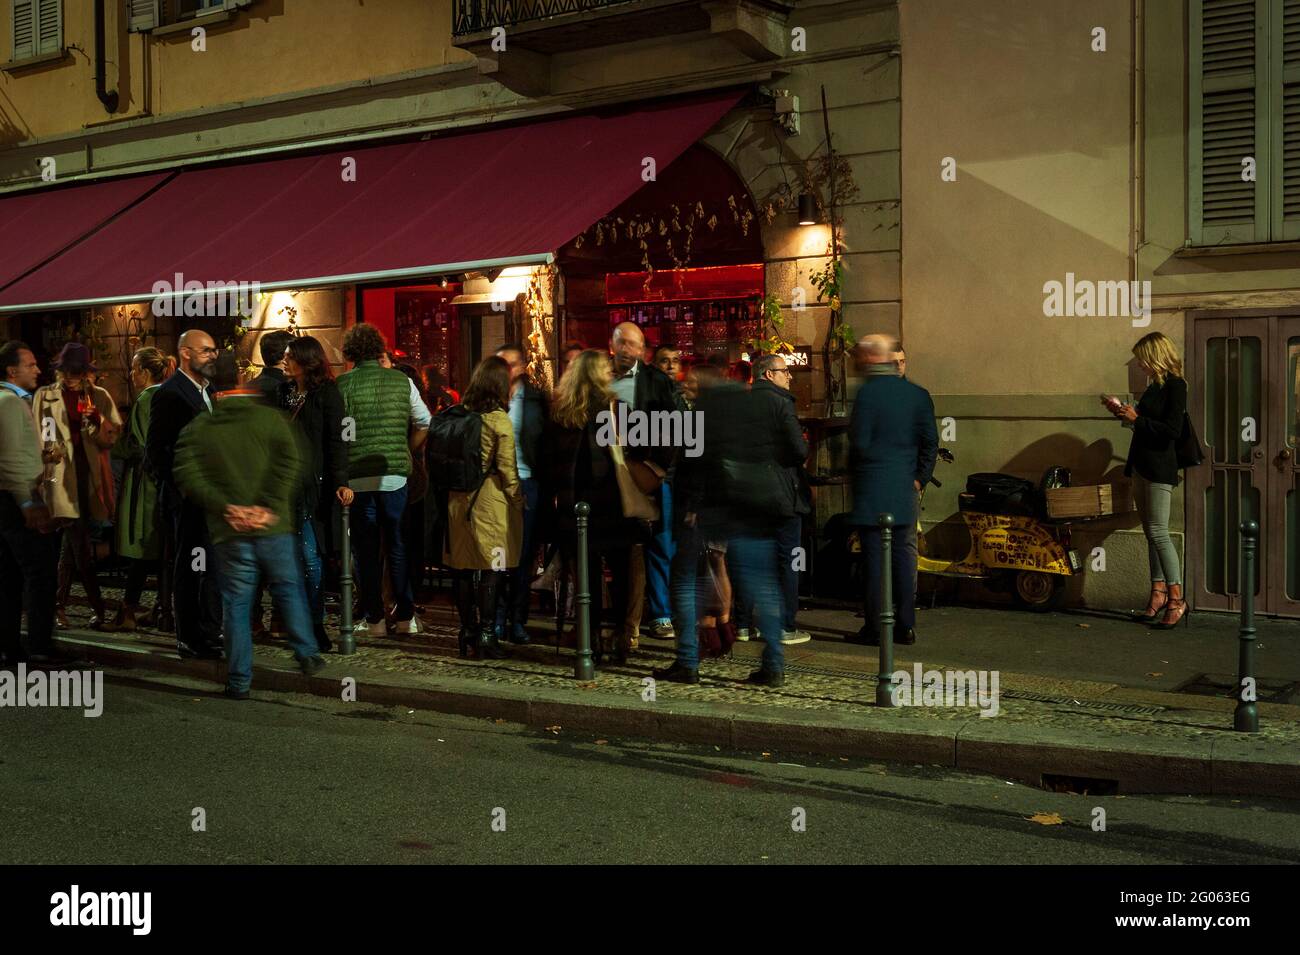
pixel 1228 120
pixel 49 26
pixel 24 29
pixel 1287 154
pixel 142 14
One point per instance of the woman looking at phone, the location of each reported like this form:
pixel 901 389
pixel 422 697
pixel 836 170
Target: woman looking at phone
pixel 1158 421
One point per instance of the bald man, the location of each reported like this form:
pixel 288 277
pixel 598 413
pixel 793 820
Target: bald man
pixel 196 597
pixel 644 387
pixel 893 443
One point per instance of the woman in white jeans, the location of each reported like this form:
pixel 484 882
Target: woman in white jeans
pixel 1152 458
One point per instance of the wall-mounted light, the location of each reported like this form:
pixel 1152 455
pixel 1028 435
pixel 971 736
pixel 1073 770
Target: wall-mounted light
pixel 807 209
pixel 443 282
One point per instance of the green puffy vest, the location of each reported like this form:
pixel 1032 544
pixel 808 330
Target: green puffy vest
pixel 378 401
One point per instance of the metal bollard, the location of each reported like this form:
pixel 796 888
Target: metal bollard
pixel 885 681
pixel 1245 718
pixel 583 668
pixel 347 639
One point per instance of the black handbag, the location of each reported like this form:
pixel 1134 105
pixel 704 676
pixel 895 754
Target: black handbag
pixel 759 487
pixel 1188 450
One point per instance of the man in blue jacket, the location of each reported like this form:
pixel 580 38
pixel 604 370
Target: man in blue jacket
pixel 893 443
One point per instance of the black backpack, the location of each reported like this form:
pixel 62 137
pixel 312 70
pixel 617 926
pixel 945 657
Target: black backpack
pixel 455 450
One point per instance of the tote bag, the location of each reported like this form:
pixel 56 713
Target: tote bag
pixel 636 503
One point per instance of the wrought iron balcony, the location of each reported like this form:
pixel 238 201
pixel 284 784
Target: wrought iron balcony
pixel 477 16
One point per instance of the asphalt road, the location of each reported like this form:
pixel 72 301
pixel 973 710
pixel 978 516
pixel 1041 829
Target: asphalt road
pixel 297 779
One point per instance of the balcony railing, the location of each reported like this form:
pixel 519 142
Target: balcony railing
pixel 479 16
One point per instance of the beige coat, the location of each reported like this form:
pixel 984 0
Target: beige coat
pixel 491 537
pixel 62 497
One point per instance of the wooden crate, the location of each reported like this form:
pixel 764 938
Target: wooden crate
pixel 1089 500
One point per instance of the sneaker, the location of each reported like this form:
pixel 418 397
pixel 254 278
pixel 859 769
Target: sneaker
pixel 232 694
pixel 379 629
pixel 677 673
pixel 518 634
pixel 789 637
pixel 410 626
pixel 766 678
pixel 742 634
pixel 663 630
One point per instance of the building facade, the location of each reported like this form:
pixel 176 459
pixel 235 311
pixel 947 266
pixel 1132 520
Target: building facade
pixel 981 151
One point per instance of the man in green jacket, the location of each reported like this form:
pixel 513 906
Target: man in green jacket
pixel 240 465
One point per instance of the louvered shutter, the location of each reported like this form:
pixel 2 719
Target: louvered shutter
pixel 49 26
pixel 142 15
pixel 1228 85
pixel 24 24
pixel 1287 125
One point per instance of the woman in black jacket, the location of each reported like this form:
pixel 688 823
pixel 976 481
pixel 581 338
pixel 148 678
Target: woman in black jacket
pixel 1152 456
pixel 579 468
pixel 316 406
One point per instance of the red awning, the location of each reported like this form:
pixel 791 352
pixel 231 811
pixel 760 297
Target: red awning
pixel 36 226
pixel 500 196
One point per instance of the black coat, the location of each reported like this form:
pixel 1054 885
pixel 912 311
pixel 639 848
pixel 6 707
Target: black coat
pixel 537 412
pixel 1152 452
pixel 274 386
pixel 320 423
pixel 745 428
pixel 579 468
pixel 655 391
pixel 175 404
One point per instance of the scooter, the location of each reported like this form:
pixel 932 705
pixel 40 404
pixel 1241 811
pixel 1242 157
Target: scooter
pixel 1012 545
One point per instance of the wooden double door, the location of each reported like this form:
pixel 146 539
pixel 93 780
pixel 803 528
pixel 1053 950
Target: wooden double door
pixel 1244 402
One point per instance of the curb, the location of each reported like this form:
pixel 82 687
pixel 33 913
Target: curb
pixel 1241 765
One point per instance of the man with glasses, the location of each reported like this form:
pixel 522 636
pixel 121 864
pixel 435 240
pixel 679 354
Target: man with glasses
pixel 772 380
pixel 196 595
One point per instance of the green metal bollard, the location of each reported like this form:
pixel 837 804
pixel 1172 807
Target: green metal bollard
pixel 583 668
pixel 885 681
pixel 1245 718
pixel 347 639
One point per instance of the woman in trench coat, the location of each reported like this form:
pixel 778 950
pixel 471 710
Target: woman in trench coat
pixel 79 424
pixel 139 537
pixel 485 527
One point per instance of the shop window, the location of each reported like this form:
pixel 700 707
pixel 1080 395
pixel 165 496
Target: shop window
pixel 37 28
pixel 1244 121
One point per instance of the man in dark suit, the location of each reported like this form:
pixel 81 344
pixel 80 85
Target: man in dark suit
pixel 643 387
pixel 893 443
pixel 196 596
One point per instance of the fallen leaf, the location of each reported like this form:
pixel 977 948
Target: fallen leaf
pixel 1083 626
pixel 601 742
pixel 1046 818
pixel 498 721
pixel 1155 674
pixel 765 755
pixel 554 729
pixel 442 741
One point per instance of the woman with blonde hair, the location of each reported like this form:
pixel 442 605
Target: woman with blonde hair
pixel 1158 421
pixel 138 525
pixel 581 468
pixel 82 424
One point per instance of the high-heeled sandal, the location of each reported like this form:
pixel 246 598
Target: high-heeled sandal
pixel 1153 611
pixel 1175 612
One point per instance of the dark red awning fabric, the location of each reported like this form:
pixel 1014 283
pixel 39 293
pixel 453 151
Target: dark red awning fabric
pixel 34 226
pixel 497 196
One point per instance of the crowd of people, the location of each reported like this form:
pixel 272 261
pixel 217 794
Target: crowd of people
pixel 228 488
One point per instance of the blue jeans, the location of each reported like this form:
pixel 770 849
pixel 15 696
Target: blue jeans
pixel 754 565
pixel 789 536
pixel 685 587
pixel 311 560
pixel 377 515
pixel 658 560
pixel 277 558
pixel 513 608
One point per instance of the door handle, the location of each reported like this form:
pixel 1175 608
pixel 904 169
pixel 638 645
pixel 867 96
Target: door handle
pixel 1282 458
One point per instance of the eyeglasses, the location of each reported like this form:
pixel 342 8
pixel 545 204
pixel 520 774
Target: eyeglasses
pixel 210 350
